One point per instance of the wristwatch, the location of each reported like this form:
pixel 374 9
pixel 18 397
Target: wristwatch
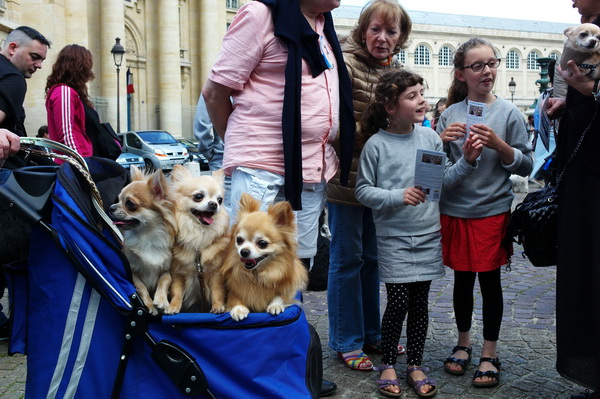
pixel 595 91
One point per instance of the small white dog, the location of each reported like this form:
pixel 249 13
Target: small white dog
pixel 583 46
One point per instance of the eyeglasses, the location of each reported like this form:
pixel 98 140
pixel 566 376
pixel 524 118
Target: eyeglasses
pixel 478 66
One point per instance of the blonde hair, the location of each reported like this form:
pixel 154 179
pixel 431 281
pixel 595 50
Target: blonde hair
pixel 391 12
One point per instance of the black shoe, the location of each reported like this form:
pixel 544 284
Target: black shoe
pixel 327 388
pixel 4 332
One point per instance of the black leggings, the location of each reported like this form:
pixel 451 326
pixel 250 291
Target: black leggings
pixel 491 292
pixel 403 298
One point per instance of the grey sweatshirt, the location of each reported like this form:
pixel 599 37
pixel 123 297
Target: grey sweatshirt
pixel 387 168
pixel 488 190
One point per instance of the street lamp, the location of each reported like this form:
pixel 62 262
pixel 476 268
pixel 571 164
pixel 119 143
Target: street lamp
pixel 117 52
pixel 512 86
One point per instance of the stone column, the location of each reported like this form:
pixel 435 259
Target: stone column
pixel 112 21
pixel 169 67
pixel 212 25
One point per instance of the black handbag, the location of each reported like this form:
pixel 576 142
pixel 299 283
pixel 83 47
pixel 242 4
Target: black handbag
pixel 105 140
pixel 534 221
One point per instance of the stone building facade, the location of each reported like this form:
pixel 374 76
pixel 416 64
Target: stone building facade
pixel 171 44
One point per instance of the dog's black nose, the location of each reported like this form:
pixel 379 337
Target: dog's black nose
pixel 113 208
pixel 212 205
pixel 244 253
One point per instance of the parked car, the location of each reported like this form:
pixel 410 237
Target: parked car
pixel 126 159
pixel 159 148
pixel 195 154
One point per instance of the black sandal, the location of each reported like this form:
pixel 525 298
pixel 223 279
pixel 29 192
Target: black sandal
pixel 461 362
pixel 494 375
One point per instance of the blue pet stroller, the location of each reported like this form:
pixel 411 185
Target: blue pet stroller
pixel 86 334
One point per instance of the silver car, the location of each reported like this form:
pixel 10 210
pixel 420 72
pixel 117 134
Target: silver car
pixel 159 148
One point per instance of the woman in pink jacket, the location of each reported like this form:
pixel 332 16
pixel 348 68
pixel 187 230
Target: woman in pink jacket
pixel 67 100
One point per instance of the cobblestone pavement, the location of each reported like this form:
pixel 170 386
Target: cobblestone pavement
pixel 527 346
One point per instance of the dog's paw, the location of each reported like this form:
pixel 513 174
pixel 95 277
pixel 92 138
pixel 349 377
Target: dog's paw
pixel 217 309
pixel 161 303
pixel 153 310
pixel 172 309
pixel 276 306
pixel 239 312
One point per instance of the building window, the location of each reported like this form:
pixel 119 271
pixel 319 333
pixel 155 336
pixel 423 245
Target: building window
pixel 555 55
pixel 532 57
pixel 422 55
pixel 402 56
pixel 232 4
pixel 513 60
pixel 445 56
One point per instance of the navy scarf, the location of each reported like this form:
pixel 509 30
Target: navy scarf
pixel 303 42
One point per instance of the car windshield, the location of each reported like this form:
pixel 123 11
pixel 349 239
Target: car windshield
pixel 157 137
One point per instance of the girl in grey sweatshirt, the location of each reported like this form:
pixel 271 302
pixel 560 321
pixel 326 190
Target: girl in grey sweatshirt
pixel 475 213
pixel 407 226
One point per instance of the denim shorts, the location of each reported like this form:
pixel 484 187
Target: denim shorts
pixel 268 187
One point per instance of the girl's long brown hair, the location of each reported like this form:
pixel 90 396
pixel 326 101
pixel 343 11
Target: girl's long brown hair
pixel 458 90
pixel 73 67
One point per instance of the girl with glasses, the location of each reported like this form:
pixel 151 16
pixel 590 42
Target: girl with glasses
pixel 475 214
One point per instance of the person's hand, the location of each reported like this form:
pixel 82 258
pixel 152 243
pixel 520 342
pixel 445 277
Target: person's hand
pixel 9 144
pixel 555 107
pixel 413 196
pixel 454 132
pixel 575 79
pixel 485 135
pixel 472 148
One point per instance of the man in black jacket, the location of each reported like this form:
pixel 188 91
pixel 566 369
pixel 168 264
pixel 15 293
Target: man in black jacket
pixel 22 54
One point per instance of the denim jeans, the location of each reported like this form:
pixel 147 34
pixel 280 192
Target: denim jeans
pixel 268 188
pixel 353 284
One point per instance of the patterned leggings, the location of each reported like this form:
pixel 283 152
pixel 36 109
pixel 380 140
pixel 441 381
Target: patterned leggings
pixel 403 298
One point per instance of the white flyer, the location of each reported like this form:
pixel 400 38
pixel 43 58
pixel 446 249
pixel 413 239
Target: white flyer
pixel 429 173
pixel 475 114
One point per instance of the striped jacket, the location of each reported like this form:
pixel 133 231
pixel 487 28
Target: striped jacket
pixel 66 119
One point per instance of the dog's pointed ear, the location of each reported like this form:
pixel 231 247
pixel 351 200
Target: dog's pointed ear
pixel 282 213
pixel 136 173
pixel 219 176
pixel 158 185
pixel 180 173
pixel 249 204
pixel 568 30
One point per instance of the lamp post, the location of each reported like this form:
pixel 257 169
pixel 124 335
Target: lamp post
pixel 512 86
pixel 117 52
pixel 544 80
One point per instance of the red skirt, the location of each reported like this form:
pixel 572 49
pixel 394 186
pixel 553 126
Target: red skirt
pixel 475 245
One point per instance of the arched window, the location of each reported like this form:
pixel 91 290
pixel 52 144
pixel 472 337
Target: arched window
pixel 532 57
pixel 445 56
pixel 555 55
pixel 422 55
pixel 232 4
pixel 402 56
pixel 513 60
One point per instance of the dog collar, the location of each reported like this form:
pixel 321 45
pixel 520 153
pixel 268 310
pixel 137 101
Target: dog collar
pixel 591 67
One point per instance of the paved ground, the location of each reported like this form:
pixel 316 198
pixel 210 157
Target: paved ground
pixel 527 347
